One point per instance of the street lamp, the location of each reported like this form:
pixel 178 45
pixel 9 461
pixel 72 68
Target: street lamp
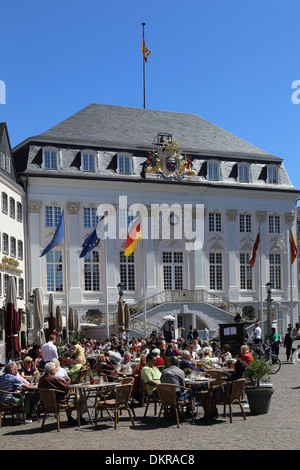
pixel 269 312
pixel 120 288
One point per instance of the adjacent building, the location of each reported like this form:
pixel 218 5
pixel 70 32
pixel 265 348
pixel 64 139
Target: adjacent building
pixel 12 233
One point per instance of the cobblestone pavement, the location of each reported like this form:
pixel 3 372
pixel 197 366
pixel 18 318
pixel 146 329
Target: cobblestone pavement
pixel 278 430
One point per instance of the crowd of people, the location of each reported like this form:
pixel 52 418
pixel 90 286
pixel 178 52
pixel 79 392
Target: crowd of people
pixel 158 362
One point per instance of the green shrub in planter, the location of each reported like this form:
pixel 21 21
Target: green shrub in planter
pixel 258 397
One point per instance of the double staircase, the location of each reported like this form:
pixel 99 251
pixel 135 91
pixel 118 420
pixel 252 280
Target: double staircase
pixel 156 307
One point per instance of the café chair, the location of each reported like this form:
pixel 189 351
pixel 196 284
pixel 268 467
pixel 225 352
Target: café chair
pixel 121 401
pixel 147 399
pixel 217 375
pixel 48 396
pixel 237 387
pixel 13 408
pixel 168 400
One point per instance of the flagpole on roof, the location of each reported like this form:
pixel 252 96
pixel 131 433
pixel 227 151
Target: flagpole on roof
pixel 144 86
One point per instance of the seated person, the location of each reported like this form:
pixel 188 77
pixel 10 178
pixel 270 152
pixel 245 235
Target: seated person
pixel 49 380
pixel 238 371
pixel 9 382
pixel 28 368
pixel 73 372
pixel 103 362
pixel 175 375
pixel 196 346
pixel 246 356
pixel 77 351
pixel 60 371
pixel 159 360
pixel 151 375
pixel 206 346
pixel 170 351
pixel 225 353
pixel 206 359
pixel 125 366
pixel 186 361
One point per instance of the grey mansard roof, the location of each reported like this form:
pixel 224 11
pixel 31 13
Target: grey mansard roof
pixel 116 126
pixel 108 130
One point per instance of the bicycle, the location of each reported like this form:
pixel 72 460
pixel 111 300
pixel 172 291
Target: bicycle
pixel 263 351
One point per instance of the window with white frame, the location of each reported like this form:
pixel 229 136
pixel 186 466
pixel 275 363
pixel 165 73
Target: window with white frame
pixel 124 163
pixel 92 271
pixel 50 159
pixel 273 174
pixel 127 271
pixel 245 223
pixel 3 161
pixel 125 218
pixel 12 207
pixel 0 285
pixel 275 270
pixel 215 271
pixel 274 224
pixel 88 161
pixel 21 288
pixel 172 270
pixel 4 203
pixel 20 249
pixel 7 169
pixel 244 173
pixel 90 218
pixel 5 282
pixel 213 171
pixel 54 271
pixel 214 222
pixel 19 212
pixel 245 272
pixel 52 216
pixel 5 246
pixel 12 246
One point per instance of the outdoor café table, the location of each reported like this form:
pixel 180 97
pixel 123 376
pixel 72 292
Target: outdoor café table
pixel 196 385
pixel 87 388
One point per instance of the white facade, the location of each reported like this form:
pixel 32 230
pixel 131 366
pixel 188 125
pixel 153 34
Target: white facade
pixel 101 154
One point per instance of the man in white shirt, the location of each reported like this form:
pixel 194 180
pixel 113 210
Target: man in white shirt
pixel 257 335
pixel 49 350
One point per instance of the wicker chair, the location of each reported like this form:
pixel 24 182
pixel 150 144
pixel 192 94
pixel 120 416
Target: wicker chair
pixel 168 399
pixel 121 401
pixel 217 375
pixel 49 399
pixel 12 408
pixel 147 399
pixel 237 388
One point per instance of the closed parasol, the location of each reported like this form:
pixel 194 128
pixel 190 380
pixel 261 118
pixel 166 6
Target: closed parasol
pixel 51 315
pixel 77 322
pixel 59 320
pixel 38 319
pixel 12 321
pixel 120 321
pixel 71 320
pixel 127 321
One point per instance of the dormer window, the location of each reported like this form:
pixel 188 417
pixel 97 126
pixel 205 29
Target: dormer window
pixel 88 161
pixel 273 174
pixel 50 159
pixel 244 173
pixel 124 163
pixel 213 171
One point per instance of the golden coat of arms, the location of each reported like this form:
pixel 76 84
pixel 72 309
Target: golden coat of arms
pixel 169 162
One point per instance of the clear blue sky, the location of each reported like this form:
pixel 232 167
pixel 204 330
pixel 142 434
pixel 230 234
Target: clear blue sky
pixel 231 62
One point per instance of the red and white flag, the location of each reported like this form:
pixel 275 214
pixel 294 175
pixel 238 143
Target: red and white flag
pixel 254 251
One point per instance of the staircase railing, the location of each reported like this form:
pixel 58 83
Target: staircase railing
pixel 184 295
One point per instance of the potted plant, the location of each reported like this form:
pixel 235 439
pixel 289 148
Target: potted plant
pixel 258 395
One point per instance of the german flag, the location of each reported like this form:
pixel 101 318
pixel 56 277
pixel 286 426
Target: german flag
pixel 293 247
pixel 134 236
